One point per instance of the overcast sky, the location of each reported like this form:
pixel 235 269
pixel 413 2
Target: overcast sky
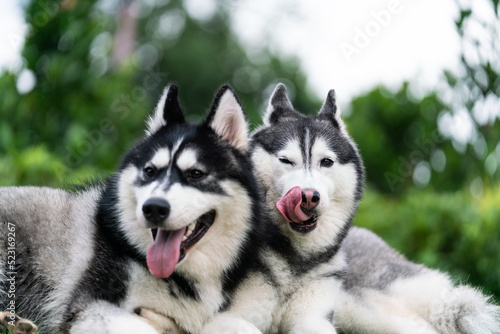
pixel 353 45
pixel 347 45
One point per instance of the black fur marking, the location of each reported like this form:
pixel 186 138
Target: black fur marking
pixel 172 111
pixel 281 106
pixel 273 139
pixel 461 314
pixel 306 142
pixel 222 161
pixel 107 276
pixel 279 114
pixel 280 98
pixel 248 261
pixel 109 225
pixel 329 109
pixel 203 140
pixel 338 274
pixel 300 264
pixel 206 153
pixel 118 241
pixel 329 316
pixel 215 105
pixel 323 125
pixel 183 287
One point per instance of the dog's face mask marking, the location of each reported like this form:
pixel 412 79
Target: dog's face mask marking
pixel 308 166
pixel 176 193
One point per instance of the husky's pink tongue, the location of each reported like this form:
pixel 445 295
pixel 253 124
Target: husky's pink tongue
pixel 163 255
pixel 289 206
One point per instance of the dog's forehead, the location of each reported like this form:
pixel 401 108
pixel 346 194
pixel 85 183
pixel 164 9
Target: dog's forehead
pixel 186 146
pixel 310 144
pixel 184 154
pixel 325 137
pixel 320 147
pixel 161 157
pixel 305 132
pixel 187 158
pixel 291 146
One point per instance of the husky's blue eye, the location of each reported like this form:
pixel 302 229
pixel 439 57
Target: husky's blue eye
pixel 286 161
pixel 326 162
pixel 149 171
pixel 196 174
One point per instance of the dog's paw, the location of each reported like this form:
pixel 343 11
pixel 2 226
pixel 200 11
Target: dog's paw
pixel 16 325
pixel 319 326
pixel 160 322
pixel 129 325
pixel 112 324
pixel 226 325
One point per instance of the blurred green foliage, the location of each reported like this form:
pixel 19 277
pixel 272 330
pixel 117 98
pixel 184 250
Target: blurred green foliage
pixel 90 102
pixel 396 133
pixel 87 108
pixel 453 232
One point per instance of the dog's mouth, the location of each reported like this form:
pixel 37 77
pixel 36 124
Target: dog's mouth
pixel 170 247
pixel 299 219
pixel 193 233
pixel 305 226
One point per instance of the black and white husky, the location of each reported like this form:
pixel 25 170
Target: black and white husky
pixel 312 177
pixel 172 233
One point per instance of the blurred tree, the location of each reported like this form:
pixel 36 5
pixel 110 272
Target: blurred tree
pixel 475 90
pixel 448 139
pixel 199 52
pixel 99 66
pixel 65 51
pixel 395 134
pixel 454 232
pixel 402 146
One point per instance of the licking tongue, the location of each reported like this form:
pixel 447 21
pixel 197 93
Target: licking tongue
pixel 289 206
pixel 163 255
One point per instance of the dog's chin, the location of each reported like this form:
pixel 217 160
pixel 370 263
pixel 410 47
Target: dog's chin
pixel 302 228
pixel 305 227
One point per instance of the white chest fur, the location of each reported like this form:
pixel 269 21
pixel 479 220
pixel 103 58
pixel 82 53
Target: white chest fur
pixel 166 298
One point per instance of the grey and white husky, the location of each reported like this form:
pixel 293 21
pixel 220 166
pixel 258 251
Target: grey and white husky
pixel 172 233
pixel 312 177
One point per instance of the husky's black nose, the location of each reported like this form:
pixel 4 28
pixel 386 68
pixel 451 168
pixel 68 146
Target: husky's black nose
pixel 156 210
pixel 310 199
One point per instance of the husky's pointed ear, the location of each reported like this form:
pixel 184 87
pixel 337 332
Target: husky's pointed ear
pixel 328 110
pixel 167 111
pixel 279 106
pixel 228 119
